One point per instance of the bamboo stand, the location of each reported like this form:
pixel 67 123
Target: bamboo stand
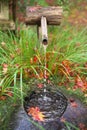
pixel 43 16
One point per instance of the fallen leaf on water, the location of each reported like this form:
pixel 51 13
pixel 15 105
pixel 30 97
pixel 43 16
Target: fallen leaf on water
pixel 36 113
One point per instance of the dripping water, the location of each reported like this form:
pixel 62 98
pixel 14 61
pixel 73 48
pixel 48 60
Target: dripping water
pixel 45 73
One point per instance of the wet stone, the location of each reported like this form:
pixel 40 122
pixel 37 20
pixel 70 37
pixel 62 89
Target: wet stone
pixel 75 114
pixel 20 121
pixel 52 107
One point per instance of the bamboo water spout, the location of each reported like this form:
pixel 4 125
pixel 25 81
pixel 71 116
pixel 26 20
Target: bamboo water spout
pixel 44 30
pixel 43 16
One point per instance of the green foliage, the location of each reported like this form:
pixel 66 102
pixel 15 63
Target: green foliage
pixel 6 110
pixel 39 2
pixel 15 55
pixel 25 3
pixel 70 126
pixel 22 58
pixel 62 2
pixel 70 45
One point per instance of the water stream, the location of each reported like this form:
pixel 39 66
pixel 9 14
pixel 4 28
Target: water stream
pixel 45 72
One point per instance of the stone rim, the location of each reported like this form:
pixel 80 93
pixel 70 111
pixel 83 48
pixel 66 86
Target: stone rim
pixel 50 115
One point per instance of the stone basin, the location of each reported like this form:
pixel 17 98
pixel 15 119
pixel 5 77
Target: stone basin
pixel 75 114
pixel 51 102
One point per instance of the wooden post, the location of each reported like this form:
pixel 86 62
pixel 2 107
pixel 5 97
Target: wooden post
pixel 52 14
pixel 43 16
pixel 44 30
